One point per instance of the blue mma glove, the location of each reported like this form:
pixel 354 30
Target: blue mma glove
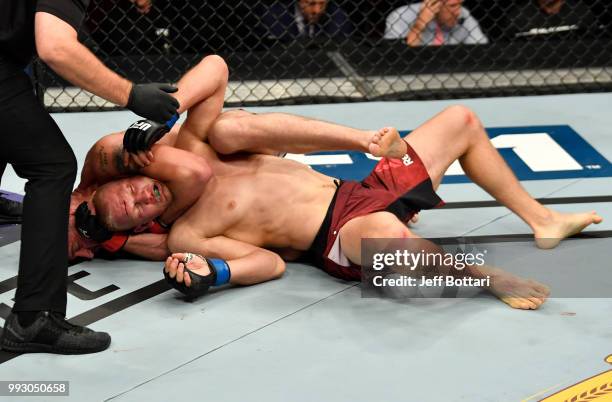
pixel 220 274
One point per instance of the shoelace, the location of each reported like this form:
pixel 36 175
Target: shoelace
pixel 60 321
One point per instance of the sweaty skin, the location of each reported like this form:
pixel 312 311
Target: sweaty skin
pixel 263 200
pixel 274 203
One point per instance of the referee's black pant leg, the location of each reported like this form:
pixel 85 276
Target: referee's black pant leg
pixel 40 154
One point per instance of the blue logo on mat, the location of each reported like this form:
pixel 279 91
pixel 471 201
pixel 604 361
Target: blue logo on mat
pixel 533 153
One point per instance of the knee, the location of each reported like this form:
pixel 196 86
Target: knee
pixel 220 66
pixel 464 116
pixel 226 133
pixel 396 231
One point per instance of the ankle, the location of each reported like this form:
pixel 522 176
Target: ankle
pixel 541 218
pixel 26 318
pixel 366 140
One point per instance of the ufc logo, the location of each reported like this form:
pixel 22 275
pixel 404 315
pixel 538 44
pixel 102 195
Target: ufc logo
pixel 141 125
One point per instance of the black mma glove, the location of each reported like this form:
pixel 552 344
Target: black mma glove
pixel 89 228
pixel 153 102
pixel 88 225
pixel 141 136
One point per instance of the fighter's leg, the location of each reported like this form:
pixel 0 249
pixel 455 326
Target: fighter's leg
pixel 377 225
pixel 201 93
pixel 515 291
pixel 271 133
pixel 457 133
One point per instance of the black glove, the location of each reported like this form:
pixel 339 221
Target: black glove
pixel 88 225
pixel 153 102
pixel 199 283
pixel 141 136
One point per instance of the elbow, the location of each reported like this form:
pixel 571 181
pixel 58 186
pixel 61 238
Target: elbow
pixel 196 174
pixel 200 175
pixel 53 52
pixel 173 241
pixel 200 171
pixel 279 267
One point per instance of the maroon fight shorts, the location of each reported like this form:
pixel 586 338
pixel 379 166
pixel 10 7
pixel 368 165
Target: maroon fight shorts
pixel 400 186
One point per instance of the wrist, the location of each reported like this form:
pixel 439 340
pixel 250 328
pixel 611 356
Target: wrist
pixel 221 269
pixel 127 92
pixel 420 24
pixel 115 243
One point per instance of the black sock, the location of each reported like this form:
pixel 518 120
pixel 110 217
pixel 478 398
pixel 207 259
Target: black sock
pixel 26 318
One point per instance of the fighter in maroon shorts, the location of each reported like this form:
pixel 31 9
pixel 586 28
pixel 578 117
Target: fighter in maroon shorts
pixel 400 186
pixel 256 208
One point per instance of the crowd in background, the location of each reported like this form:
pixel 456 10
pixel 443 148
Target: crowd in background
pixel 201 25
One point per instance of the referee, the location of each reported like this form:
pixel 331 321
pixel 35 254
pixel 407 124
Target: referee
pixel 34 145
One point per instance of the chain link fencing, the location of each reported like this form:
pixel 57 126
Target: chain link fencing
pixel 313 51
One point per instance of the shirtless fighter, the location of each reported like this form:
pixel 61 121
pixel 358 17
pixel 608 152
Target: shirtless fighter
pixel 256 201
pixel 253 204
pixel 179 175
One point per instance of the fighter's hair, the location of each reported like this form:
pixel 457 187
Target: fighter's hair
pixel 103 212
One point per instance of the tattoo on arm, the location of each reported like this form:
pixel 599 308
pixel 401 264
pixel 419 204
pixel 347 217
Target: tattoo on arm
pixel 117 157
pixel 103 160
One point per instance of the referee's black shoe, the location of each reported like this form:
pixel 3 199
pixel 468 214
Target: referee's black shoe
pixel 51 333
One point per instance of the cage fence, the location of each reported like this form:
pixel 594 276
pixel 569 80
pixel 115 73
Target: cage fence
pixel 312 51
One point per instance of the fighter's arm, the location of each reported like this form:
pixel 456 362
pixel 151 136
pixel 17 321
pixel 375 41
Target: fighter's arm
pixel 58 46
pixel 150 246
pixel 248 264
pixel 104 163
pixel 184 173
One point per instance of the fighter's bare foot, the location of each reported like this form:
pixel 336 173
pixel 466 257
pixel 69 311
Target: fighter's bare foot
pixel 387 142
pixel 519 293
pixel 558 226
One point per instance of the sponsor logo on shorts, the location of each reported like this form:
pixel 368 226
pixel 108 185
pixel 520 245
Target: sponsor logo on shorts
pixel 407 160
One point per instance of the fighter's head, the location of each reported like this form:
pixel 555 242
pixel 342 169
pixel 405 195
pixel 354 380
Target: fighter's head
pixel 449 13
pixel 128 203
pixel 550 7
pixel 312 10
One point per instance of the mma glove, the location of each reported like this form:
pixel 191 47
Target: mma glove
pixel 152 101
pixel 220 274
pixel 90 228
pixel 140 136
